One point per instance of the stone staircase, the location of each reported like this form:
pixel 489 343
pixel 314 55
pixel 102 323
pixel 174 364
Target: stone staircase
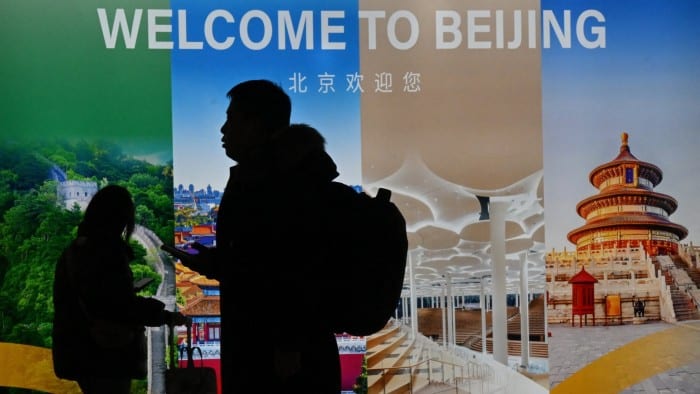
pixel 398 364
pixel 394 363
pixel 693 272
pixel 683 306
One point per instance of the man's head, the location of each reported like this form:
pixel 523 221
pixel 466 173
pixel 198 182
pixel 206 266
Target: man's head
pixel 257 110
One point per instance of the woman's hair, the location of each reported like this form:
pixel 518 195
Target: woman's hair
pixel 110 213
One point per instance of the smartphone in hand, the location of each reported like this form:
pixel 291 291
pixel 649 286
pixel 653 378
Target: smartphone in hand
pixel 175 252
pixel 142 283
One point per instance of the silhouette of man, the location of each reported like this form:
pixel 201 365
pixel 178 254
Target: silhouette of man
pixel 269 246
pixel 639 308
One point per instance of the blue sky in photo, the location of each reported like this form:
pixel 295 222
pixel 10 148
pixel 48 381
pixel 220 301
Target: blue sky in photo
pixel 201 78
pixel 646 82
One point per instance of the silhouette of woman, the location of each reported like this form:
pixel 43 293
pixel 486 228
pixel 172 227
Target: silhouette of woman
pixel 99 321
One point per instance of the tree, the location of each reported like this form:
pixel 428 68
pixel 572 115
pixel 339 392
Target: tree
pixel 34 229
pixel 145 217
pixel 360 386
pixel 8 180
pixel 143 271
pixel 33 234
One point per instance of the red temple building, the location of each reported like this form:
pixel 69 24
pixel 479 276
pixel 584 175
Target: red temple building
pixel 582 296
pixel 629 245
pixel 201 304
pixel 627 212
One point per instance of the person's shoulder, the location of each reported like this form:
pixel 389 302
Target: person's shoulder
pixel 340 193
pixel 304 134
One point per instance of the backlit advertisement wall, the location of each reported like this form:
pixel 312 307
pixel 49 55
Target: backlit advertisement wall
pixel 448 103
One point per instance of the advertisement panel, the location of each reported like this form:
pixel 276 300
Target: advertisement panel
pixel 457 106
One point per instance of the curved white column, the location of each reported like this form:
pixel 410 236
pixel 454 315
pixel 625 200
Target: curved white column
pixel 524 313
pixel 412 260
pixel 450 310
pixel 497 213
pixel 482 301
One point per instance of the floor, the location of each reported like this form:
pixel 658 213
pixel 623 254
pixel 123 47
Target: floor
pixel 654 357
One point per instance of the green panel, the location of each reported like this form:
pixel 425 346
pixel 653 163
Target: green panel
pixel 58 79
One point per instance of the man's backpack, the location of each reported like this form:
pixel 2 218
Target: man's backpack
pixel 368 247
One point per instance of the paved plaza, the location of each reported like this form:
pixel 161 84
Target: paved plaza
pixel 655 357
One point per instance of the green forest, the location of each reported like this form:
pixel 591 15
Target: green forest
pixel 35 227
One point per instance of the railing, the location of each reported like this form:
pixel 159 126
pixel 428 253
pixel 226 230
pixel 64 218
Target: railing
pixel 210 350
pixel 449 373
pixel 665 298
pixel 459 367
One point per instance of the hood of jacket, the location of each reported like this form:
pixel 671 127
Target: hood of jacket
pixel 296 151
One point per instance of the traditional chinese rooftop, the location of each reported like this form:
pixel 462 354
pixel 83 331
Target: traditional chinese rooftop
pixel 583 277
pixel 647 170
pixel 626 208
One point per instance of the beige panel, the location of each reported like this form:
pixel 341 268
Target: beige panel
pixel 476 121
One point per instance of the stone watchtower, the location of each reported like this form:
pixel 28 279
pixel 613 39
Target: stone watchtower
pixel 76 192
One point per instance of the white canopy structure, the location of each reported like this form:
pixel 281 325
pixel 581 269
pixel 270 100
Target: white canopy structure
pixel 461 236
